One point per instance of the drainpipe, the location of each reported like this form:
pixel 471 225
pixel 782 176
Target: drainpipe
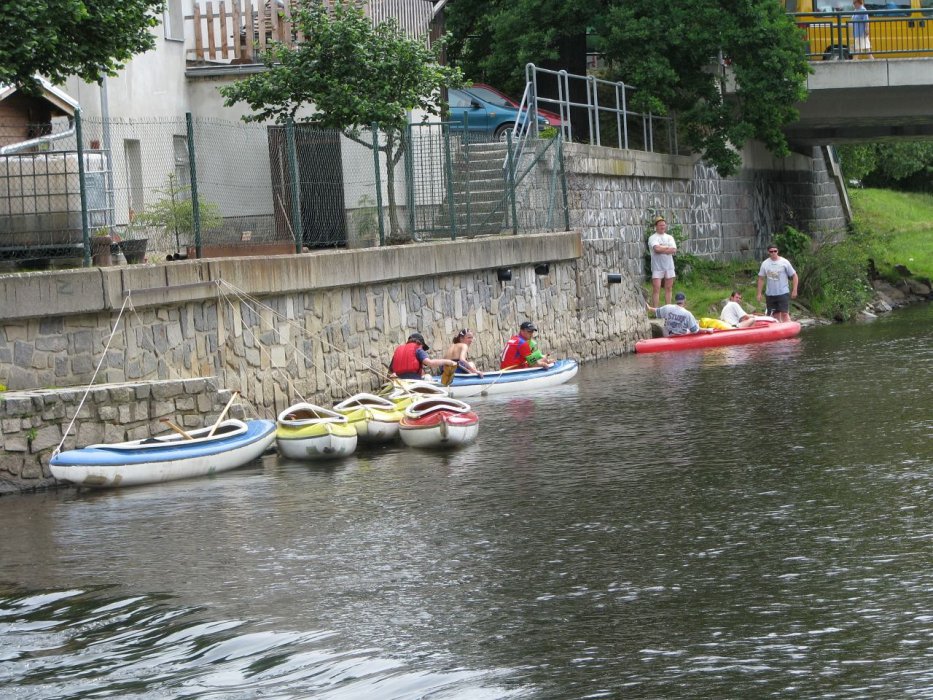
pixel 105 137
pixel 23 145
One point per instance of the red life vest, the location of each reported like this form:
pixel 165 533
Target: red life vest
pixel 405 359
pixel 512 356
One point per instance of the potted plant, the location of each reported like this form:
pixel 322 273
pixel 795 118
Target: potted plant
pixel 174 212
pixel 133 244
pixel 100 247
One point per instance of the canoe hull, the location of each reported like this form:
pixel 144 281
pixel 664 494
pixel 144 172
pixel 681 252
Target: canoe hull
pixel 134 464
pixel 512 381
pixel 375 418
pixel 309 432
pixel 736 336
pixel 438 424
pixel 317 447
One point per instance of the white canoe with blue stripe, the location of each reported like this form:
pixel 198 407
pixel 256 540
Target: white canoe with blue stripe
pixel 165 457
pixel 510 381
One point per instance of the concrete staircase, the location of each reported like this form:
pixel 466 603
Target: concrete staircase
pixel 480 189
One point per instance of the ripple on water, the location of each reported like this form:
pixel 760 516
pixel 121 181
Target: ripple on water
pixel 77 643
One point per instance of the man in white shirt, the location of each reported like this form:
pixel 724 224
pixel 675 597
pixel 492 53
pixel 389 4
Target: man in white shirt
pixel 736 316
pixel 781 278
pixel 662 247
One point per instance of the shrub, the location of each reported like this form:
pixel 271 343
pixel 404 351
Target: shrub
pixel 834 277
pixel 792 243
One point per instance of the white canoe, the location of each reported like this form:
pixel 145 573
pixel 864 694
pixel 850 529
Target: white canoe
pixel 165 457
pixel 510 381
pixel 403 392
pixel 438 422
pixel 375 418
pixel 306 431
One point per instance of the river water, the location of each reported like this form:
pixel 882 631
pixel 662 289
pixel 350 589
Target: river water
pixel 741 522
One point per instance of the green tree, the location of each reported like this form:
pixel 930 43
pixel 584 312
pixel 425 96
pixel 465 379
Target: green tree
pixel 670 51
pixel 494 39
pixel 60 38
pixel 174 212
pixel 905 165
pixel 347 74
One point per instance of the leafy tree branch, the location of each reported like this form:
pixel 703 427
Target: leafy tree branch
pixel 60 38
pixel 669 51
pixel 347 75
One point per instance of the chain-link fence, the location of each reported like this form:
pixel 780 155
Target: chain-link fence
pixel 87 190
pixel 466 183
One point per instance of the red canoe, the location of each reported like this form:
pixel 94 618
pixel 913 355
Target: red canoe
pixel 440 422
pixel 759 333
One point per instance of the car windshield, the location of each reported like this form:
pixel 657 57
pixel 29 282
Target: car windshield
pixel 490 97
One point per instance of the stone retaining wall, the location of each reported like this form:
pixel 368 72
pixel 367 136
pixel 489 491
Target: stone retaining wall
pixel 32 422
pixel 614 194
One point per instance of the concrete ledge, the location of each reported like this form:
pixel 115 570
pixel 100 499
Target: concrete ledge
pixel 584 159
pixel 899 72
pixel 38 294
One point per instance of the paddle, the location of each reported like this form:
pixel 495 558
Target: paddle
pixel 502 373
pixel 176 428
pixel 223 413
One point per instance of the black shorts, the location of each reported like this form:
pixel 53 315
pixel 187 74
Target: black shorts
pixel 779 303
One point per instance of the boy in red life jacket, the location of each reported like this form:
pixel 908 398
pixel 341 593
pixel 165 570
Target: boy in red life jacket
pixel 408 359
pixel 522 350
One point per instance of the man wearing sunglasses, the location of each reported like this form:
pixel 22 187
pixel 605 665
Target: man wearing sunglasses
pixel 781 284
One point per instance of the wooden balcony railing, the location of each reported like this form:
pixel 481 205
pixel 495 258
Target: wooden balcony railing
pixel 235 31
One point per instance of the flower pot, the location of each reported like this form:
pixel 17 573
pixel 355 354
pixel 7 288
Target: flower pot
pixel 134 250
pixel 100 251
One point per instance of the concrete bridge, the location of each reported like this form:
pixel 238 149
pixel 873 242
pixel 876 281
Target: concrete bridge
pixel 865 100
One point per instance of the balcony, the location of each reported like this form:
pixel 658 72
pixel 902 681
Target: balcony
pixel 236 31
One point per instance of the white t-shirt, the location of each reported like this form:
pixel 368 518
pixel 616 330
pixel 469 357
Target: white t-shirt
pixel 661 262
pixel 732 313
pixel 777 274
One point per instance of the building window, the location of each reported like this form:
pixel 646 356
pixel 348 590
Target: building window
pixel 134 169
pixel 173 21
pixel 182 167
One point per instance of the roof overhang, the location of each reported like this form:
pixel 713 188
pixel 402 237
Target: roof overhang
pixel 57 97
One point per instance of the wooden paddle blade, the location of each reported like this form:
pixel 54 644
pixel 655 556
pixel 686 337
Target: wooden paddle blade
pixel 178 429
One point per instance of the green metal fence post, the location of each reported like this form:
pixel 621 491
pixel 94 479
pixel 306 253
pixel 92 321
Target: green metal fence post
pixel 192 167
pixel 292 154
pixel 379 213
pixel 82 186
pixel 410 180
pixel 451 205
pixel 469 171
pixel 563 180
pixel 508 141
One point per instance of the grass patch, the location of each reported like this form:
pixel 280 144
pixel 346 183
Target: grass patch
pixel 903 225
pixel 892 228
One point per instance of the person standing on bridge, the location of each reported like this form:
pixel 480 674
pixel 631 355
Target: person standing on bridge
pixel 860 30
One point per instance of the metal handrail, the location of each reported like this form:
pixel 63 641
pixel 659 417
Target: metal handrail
pixel 594 108
pixel 894 32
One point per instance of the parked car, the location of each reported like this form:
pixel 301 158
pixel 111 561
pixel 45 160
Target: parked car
pixel 494 118
pixel 553 118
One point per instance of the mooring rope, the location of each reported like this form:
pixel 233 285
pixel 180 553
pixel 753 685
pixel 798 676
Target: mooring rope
pixel 87 390
pixel 262 348
pixel 247 298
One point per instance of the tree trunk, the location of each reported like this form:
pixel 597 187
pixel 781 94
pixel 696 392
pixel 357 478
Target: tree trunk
pixel 396 235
